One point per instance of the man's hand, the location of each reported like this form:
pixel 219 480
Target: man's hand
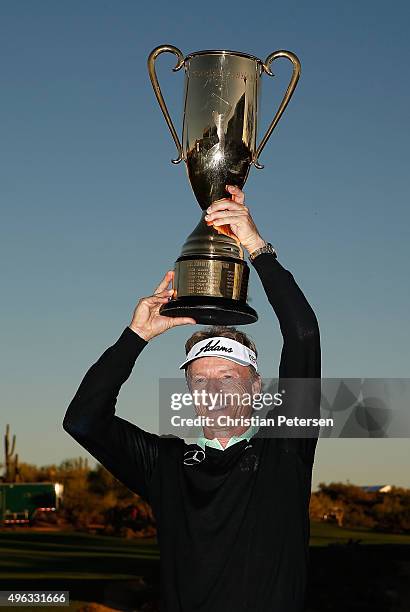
pixel 235 214
pixel 146 320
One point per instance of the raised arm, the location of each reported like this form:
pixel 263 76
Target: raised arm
pixel 301 355
pixel 126 450
pixel 301 352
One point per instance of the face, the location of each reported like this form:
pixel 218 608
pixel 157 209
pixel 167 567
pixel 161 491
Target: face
pixel 227 381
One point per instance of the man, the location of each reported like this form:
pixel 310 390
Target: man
pixel 232 510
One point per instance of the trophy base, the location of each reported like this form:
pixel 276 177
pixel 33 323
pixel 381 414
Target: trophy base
pixel 208 310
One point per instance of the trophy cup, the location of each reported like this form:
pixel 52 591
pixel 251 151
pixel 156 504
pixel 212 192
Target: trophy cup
pixel 222 90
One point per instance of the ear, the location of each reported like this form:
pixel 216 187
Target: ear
pixel 187 378
pixel 257 384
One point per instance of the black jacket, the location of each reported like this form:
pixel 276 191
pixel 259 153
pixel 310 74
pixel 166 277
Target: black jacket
pixel 234 528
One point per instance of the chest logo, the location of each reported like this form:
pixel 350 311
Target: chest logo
pixel 249 463
pixel 193 457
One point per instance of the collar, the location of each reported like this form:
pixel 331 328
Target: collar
pixel 214 442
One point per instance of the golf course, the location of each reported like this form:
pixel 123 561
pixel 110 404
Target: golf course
pixel 370 568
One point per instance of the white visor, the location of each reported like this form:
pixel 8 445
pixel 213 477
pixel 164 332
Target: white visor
pixel 218 346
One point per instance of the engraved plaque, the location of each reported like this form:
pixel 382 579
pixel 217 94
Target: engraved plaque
pixel 210 277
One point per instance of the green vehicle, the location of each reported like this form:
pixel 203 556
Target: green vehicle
pixel 22 502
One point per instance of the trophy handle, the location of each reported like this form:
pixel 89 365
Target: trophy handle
pixel 289 92
pixel 155 84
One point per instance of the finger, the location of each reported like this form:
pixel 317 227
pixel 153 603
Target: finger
pixel 164 293
pixel 154 300
pixel 224 204
pixel 165 281
pixel 237 193
pixel 228 220
pixel 220 214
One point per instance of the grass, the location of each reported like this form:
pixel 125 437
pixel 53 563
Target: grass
pixel 73 555
pixel 114 571
pixel 323 534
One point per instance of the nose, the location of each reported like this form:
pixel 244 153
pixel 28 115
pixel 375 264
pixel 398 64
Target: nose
pixel 212 385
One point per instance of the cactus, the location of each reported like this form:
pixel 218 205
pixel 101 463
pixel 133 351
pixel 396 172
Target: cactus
pixel 11 461
pixel 16 469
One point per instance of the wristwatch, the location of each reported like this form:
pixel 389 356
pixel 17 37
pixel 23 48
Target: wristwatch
pixel 266 248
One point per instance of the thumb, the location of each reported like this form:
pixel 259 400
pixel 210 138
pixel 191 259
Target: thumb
pixel 183 321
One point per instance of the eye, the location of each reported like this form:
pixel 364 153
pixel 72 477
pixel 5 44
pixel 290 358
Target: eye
pixel 227 376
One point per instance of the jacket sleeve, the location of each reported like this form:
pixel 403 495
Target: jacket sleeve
pixel 301 352
pixel 127 451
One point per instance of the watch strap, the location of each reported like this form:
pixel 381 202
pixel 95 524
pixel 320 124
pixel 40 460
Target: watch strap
pixel 266 248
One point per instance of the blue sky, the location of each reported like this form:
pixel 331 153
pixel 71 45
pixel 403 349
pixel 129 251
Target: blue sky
pixel 93 212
